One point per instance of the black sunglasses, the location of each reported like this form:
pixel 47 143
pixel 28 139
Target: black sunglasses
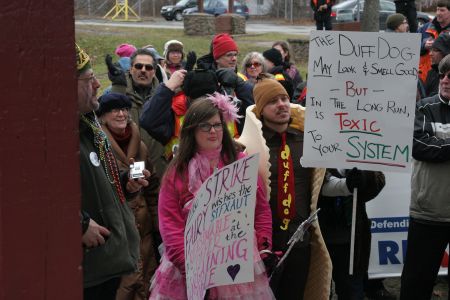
pixel 139 66
pixel 441 76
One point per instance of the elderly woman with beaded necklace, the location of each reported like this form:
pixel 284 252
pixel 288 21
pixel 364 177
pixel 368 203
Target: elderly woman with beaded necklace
pixel 126 143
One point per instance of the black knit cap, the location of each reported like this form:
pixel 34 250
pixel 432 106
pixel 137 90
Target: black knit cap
pixel 111 101
pixel 200 82
pixel 442 43
pixel 274 56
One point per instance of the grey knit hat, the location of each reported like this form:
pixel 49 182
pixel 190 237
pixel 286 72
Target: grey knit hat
pixel 444 65
pixel 395 20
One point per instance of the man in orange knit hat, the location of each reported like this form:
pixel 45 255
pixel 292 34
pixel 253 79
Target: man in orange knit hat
pixel 274 128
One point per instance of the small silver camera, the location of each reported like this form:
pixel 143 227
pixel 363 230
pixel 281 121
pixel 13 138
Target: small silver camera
pixel 136 170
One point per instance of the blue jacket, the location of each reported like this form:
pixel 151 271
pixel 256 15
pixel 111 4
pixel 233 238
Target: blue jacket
pixel 158 117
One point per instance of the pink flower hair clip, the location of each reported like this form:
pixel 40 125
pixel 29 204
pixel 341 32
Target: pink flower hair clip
pixel 226 105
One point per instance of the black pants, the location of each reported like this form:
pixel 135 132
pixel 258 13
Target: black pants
pixel 408 9
pixel 104 291
pixel 373 285
pixel 292 281
pixel 347 287
pixel 325 23
pixel 426 246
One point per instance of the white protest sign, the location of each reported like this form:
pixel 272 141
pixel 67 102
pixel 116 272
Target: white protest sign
pixel 219 234
pixel 361 100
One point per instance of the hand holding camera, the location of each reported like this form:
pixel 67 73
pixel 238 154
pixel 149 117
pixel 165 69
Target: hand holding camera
pixel 137 176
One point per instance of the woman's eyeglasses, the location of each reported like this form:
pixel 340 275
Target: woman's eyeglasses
pixel 139 66
pixel 206 127
pixel 254 65
pixel 231 54
pixel 442 76
pixel 118 110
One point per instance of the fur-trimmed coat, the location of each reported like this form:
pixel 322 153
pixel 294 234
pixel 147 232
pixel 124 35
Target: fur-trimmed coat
pixel 145 209
pixel 319 277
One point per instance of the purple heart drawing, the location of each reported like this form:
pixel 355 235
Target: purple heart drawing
pixel 233 270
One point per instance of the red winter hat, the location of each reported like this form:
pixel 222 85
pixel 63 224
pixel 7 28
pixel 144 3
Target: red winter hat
pixel 223 43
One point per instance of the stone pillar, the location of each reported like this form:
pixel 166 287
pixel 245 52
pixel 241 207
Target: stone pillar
pixel 348 26
pixel 199 24
pixel 230 23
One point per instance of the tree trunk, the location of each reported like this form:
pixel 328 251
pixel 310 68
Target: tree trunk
pixel 370 18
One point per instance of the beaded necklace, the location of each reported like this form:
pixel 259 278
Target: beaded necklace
pixel 106 155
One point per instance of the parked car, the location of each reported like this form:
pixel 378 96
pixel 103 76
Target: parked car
pixel 175 12
pixel 347 12
pixel 218 7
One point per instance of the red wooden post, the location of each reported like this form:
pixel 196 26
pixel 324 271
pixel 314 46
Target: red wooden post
pixel 40 246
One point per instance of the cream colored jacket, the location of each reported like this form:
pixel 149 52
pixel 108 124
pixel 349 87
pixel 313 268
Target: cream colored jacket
pixel 319 277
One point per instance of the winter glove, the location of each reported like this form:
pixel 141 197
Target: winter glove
pixel 353 179
pixel 191 58
pixel 115 73
pixel 228 78
pixel 270 261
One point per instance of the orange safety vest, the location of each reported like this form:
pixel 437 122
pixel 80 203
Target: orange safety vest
pixel 303 96
pixel 425 60
pixel 280 77
pixel 179 108
pixel 242 76
pixel 232 129
pixel 315 2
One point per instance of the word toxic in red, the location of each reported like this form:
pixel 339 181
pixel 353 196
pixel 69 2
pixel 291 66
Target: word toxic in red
pixel 364 125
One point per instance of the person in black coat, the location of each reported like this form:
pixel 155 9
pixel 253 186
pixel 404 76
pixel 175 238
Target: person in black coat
pixel 335 219
pixel 322 13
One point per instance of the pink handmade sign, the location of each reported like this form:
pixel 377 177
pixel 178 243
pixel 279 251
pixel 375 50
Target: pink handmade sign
pixel 219 233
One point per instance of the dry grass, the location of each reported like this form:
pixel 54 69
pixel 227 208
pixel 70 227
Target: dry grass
pixel 100 40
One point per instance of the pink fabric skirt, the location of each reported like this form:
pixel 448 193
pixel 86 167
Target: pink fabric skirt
pixel 169 284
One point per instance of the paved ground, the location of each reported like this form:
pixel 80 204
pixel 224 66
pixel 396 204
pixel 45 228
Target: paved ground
pixel 251 26
pixel 440 290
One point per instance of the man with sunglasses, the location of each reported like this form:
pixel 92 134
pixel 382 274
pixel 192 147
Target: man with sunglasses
pixel 429 225
pixel 139 85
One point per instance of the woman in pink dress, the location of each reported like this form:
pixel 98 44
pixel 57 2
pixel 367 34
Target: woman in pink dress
pixel 205 144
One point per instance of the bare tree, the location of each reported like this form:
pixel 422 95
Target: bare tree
pixel 370 20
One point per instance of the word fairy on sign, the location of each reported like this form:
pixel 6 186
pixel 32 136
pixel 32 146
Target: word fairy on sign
pixel 219 234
